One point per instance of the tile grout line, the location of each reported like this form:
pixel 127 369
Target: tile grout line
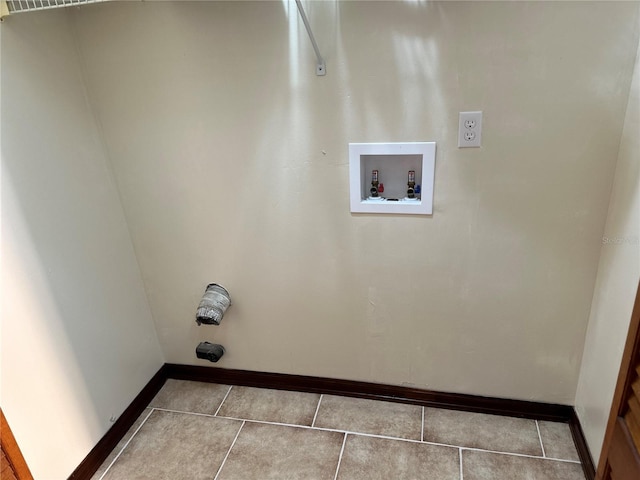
pixel 544 455
pixel 223 400
pixel 194 413
pixel 229 451
pixel 513 454
pixel 422 427
pixel 344 442
pixel 317 410
pixel 460 455
pixel 126 444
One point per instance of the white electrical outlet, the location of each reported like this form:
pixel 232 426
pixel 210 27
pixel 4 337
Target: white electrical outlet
pixel 470 129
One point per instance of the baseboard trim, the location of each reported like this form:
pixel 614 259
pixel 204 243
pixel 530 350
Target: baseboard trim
pixel 581 445
pixel 331 386
pixel 108 442
pixel 374 391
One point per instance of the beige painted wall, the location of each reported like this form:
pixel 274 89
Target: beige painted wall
pixel 231 160
pixel 616 285
pixel 78 341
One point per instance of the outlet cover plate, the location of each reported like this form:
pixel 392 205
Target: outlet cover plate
pixel 470 129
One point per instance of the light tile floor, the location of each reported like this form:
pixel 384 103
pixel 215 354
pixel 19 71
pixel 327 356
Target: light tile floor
pixel 195 430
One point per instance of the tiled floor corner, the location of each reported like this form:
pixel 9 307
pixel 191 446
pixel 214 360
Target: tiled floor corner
pixel 558 441
pixel 186 396
pixel 172 445
pixel 195 430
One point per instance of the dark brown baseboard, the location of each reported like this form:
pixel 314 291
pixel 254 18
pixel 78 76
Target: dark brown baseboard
pixel 329 386
pixel 581 445
pixel 374 391
pixel 103 448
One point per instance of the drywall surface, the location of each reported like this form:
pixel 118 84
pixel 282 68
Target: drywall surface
pixel 616 284
pixel 78 340
pixel 231 157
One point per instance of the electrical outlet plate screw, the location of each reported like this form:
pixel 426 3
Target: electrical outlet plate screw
pixel 470 129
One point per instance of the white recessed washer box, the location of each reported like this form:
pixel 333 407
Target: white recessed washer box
pixel 393 161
